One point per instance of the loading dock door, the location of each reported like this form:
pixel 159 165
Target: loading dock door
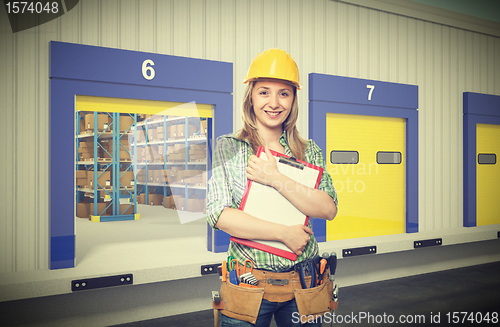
pixel 488 174
pixel 366 159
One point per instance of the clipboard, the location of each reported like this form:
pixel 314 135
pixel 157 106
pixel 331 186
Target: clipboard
pixel 267 203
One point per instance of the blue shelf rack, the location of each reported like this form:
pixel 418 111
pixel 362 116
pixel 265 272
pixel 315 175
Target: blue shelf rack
pixel 116 166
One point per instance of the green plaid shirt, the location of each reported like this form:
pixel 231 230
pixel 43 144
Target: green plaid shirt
pixel 227 185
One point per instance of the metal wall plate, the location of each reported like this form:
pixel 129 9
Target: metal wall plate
pixel 426 243
pixel 359 251
pixel 209 269
pixel 100 282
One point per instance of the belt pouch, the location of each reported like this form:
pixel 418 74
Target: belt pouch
pixel 241 303
pixel 314 301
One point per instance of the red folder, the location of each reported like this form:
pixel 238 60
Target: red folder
pixel 266 203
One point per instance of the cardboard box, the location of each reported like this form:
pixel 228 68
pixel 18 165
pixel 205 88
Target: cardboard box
pixel 160 132
pixel 124 155
pixel 155 199
pixel 197 157
pixel 139 155
pixel 126 122
pixel 141 176
pixel 152 134
pixel 151 153
pixel 181 130
pixel 88 153
pixel 160 176
pixel 83 210
pixel 108 144
pixel 196 205
pixel 81 177
pixel 197 153
pixel 198 179
pixel 198 147
pixel 127 209
pixel 103 179
pixel 87 145
pixel 102 121
pixel 167 202
pixel 179 202
pixel 202 151
pixel 141 199
pixel 190 176
pixel 150 175
pixel 174 131
pixel 141 134
pixel 127 179
pixel 172 175
pixel 193 129
pixel 101 209
pixel 176 157
pixel 203 124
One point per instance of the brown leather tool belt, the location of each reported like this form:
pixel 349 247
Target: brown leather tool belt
pixel 243 303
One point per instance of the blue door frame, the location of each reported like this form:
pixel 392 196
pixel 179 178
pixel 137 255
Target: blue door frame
pixel 77 69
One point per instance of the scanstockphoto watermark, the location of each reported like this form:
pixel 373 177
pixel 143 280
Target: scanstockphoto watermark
pixel 359 318
pixel 434 318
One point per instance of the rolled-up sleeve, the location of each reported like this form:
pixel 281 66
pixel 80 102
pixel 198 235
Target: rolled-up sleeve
pixel 219 195
pixel 315 156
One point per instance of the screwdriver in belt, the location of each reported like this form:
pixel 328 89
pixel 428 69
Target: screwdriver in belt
pixel 322 268
pixel 332 264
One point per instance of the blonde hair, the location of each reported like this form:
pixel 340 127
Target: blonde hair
pixel 249 131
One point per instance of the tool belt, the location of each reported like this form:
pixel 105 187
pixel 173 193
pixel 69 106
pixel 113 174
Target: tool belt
pixel 243 303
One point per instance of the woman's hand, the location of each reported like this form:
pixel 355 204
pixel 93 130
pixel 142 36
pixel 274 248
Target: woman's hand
pixel 263 171
pixel 297 237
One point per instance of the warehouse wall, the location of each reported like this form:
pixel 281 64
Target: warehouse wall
pixel 329 37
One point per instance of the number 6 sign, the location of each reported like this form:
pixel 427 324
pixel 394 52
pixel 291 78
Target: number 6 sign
pixel 147 70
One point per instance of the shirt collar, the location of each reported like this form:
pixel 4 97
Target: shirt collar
pixel 283 141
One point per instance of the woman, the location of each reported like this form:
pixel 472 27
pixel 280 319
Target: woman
pixel 270 112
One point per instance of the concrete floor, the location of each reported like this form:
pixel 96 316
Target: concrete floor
pixel 423 299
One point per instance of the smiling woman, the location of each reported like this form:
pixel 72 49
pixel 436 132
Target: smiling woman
pixel 270 113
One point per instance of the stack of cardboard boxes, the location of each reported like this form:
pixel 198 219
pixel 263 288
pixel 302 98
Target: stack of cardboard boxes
pixel 86 151
pixel 87 123
pixel 104 122
pixel 108 147
pixel 86 179
pixel 158 129
pixel 198 152
pixel 176 152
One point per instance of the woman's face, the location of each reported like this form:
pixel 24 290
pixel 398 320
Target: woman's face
pixel 272 103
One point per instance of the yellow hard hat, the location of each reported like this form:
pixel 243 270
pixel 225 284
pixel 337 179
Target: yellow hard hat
pixel 274 63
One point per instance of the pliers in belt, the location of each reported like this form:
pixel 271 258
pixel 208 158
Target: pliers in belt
pixel 304 269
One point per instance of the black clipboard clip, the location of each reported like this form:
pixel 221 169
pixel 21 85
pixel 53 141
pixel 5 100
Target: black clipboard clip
pixel 291 162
